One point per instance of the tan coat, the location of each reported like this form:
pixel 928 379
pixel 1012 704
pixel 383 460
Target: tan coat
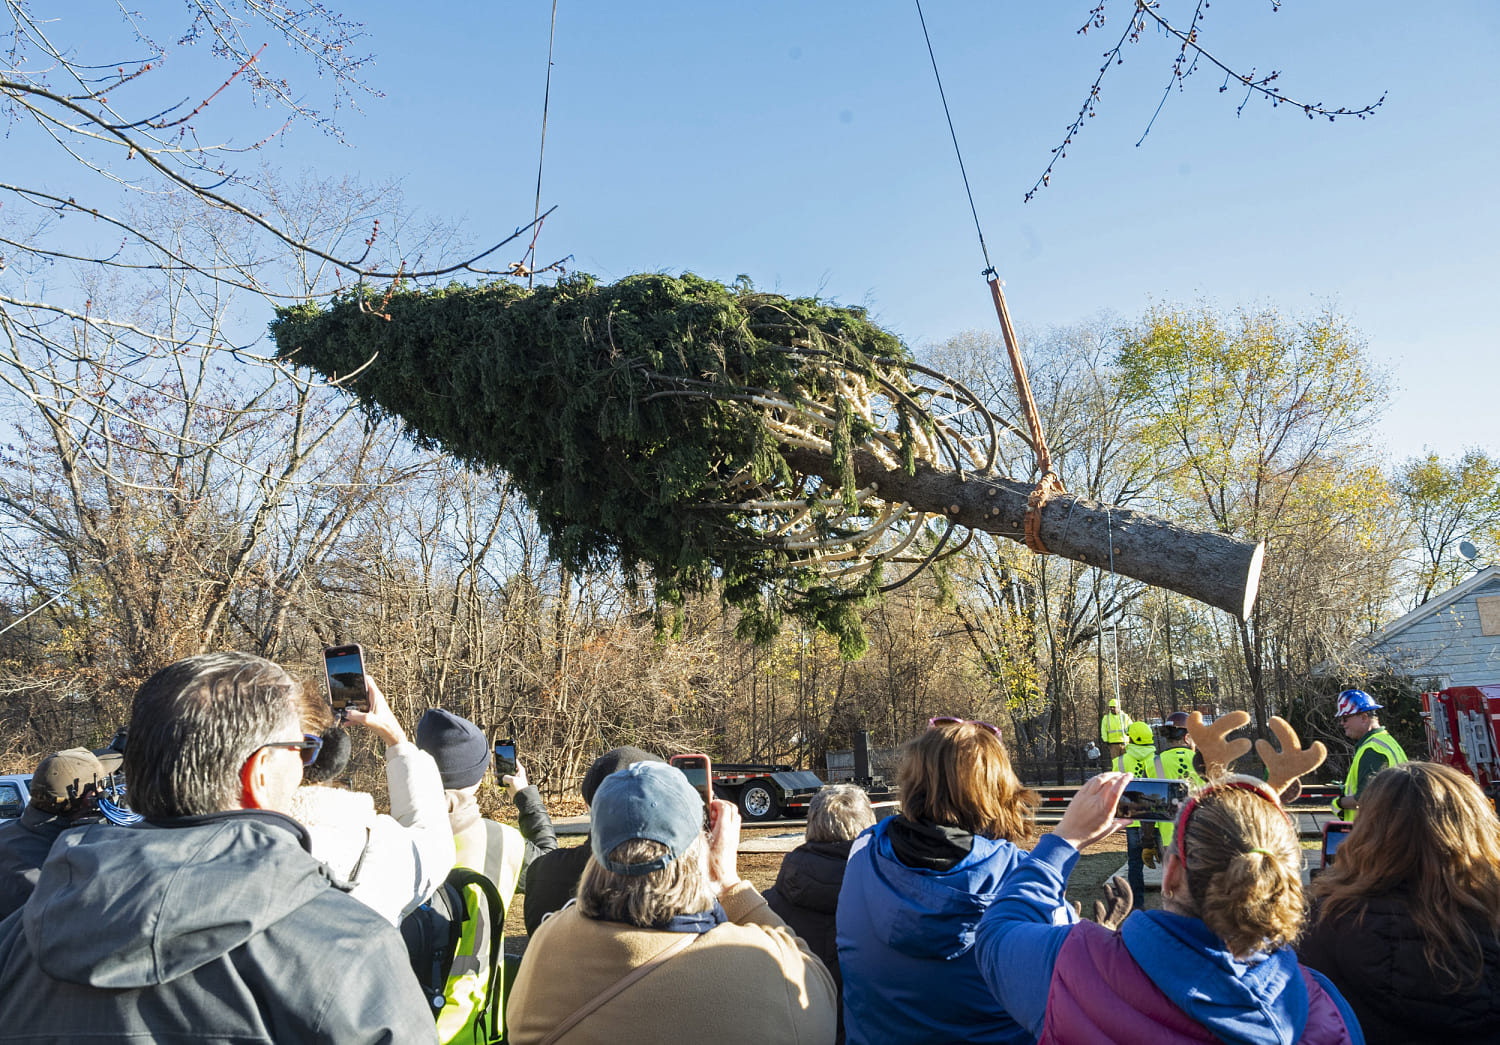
pixel 749 980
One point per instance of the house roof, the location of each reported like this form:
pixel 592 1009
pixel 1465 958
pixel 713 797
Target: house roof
pixel 1432 606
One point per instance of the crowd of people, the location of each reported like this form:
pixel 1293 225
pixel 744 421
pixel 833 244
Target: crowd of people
pixel 260 900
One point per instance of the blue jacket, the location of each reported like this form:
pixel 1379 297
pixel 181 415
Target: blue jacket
pixel 1261 1002
pixel 905 942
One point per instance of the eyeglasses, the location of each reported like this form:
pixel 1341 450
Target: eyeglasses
pixel 1259 790
pixel 949 720
pixel 309 745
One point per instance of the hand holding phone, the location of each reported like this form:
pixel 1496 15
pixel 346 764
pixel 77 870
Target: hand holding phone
pixel 1090 816
pixel 380 719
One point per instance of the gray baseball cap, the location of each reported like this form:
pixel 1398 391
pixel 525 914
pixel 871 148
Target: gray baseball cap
pixel 650 800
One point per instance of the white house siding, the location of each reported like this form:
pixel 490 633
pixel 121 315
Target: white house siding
pixel 1445 645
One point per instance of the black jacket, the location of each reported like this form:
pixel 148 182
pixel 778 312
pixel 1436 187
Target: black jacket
pixel 1377 963
pixel 535 826
pixel 806 895
pixel 24 845
pixel 552 880
pixel 218 928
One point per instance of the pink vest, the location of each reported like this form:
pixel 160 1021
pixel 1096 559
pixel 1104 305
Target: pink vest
pixel 1100 996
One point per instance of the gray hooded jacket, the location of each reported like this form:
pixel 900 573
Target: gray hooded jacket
pixel 216 928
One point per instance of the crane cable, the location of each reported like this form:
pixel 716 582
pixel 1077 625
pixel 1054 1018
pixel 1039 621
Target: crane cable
pixel 1050 482
pixel 541 153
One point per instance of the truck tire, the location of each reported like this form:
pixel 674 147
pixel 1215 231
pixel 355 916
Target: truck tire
pixel 758 802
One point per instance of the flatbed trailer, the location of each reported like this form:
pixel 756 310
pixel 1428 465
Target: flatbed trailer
pixel 773 791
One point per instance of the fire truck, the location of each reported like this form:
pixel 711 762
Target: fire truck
pixel 1461 732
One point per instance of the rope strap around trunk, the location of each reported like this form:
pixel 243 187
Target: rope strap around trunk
pixel 1048 486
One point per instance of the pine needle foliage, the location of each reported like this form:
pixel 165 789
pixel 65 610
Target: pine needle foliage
pixel 622 412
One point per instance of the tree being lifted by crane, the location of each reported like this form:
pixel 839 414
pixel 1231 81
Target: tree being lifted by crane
pixel 787 450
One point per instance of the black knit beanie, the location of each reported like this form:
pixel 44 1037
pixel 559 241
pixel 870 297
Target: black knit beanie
pixel 610 762
pixel 457 746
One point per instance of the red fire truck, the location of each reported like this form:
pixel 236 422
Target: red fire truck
pixel 1461 733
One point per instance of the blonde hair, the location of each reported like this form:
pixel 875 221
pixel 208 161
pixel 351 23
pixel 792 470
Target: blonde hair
pixel 1244 866
pixel 646 900
pixel 838 813
pixel 957 774
pixel 1427 829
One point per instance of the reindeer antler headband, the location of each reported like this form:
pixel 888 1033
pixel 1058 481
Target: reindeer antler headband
pixel 1283 767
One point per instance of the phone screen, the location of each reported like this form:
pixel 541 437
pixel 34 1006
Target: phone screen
pixel 1159 800
pixel 1332 839
pixel 696 769
pixel 505 758
pixel 346 679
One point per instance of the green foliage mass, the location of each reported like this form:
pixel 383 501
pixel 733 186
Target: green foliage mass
pixel 576 392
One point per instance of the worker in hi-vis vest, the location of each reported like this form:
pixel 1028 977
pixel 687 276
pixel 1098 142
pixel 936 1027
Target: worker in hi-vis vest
pixel 1375 748
pixel 1112 729
pixel 1142 845
pixel 1179 758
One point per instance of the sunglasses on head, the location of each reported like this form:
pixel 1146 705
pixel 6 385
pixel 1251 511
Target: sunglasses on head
pixel 309 746
pixel 949 720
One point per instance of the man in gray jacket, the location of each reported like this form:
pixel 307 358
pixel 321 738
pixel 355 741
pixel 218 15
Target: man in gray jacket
pixel 210 920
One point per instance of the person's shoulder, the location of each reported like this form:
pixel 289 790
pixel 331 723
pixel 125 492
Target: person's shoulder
pixel 562 860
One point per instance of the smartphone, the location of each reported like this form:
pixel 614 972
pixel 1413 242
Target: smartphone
pixel 698 771
pixel 345 667
pixel 1146 799
pixel 505 757
pixel 1335 833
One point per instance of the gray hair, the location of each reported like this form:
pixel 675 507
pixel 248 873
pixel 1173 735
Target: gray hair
pixel 647 900
pixel 838 813
pixel 194 723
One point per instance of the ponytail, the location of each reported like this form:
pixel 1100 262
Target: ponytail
pixel 1244 870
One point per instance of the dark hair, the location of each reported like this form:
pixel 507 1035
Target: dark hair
pixel 194 723
pixel 1426 833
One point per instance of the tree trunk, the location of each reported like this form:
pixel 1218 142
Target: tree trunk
pixel 1214 568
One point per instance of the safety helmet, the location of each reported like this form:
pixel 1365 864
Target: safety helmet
pixel 1114 702
pixel 1138 733
pixel 1177 720
pixel 1354 702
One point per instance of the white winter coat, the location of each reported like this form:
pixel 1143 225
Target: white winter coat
pixel 394 862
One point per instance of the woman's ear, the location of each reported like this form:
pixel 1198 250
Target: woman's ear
pixel 1174 878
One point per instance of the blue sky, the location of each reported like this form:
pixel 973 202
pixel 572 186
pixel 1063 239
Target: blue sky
pixel 803 144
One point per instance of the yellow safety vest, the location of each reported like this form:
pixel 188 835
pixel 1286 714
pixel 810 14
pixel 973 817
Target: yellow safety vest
pixel 1178 762
pixel 1385 746
pixel 1112 727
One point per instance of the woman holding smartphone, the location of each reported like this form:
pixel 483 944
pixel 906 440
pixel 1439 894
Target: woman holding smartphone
pixel 1215 964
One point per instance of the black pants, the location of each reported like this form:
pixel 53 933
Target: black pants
pixel 1135 867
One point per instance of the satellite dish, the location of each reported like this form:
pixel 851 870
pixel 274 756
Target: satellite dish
pixel 1467 550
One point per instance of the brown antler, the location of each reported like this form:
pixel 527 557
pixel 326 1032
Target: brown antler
pixel 1293 760
pixel 1212 739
